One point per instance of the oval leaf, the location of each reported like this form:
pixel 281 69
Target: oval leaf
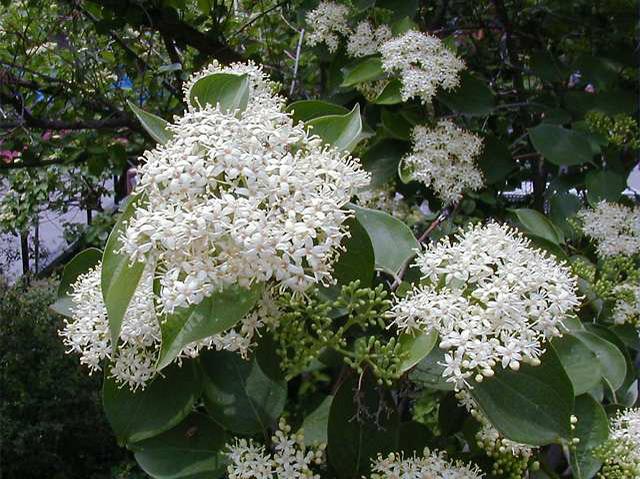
pixel 357 261
pixel 119 278
pixel 592 429
pixel 305 110
pixel 80 264
pixel 579 362
pixel 472 97
pixel 165 402
pixel 614 366
pixel 393 242
pixel 153 124
pixel 559 145
pixel 229 91
pixel 192 450
pixel 213 315
pixel 530 406
pixel 341 131
pixel 539 225
pixel 604 185
pixel 391 94
pixel 414 348
pixel 316 423
pixel 367 70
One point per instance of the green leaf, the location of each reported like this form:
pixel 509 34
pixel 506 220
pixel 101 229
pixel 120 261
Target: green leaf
pixel 315 425
pixel 213 315
pixel 414 348
pixel 396 125
pixel 614 366
pixel 391 94
pixel 472 97
pixel 166 401
pixel 611 102
pixel 367 70
pixel 192 450
pixel 604 185
pixel 305 110
pixel 539 225
pixel 579 362
pixel 561 146
pixel 355 438
pixel 532 405
pixel 393 242
pixel 496 162
pixel 357 261
pixel 230 91
pixel 382 159
pixel 341 131
pixel 592 429
pixel 153 124
pixel 119 278
pixel 546 67
pixel 80 264
pixel 428 372
pixel 239 394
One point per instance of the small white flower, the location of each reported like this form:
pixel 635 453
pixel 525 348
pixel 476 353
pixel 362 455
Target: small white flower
pixel 423 63
pixel 328 21
pixel 444 159
pixel 615 228
pixel 621 452
pixel 366 40
pixel 627 307
pixel 491 297
pixel 431 465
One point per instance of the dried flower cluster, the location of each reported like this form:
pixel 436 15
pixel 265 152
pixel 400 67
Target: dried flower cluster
pixel 423 63
pixel 366 39
pixel 621 452
pixel 493 299
pixel 290 459
pixel 239 198
pixel 444 159
pixel 328 22
pixel 87 332
pixel 431 465
pixel 615 228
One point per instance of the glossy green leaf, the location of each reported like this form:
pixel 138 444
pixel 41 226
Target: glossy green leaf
pixel 355 438
pixel 382 159
pixel 414 348
pixel 614 366
pixel 120 277
pixel 213 315
pixel 357 260
pixel 592 429
pixel 229 91
pixel 160 406
pixel 366 70
pixel 532 405
pixel 396 126
pixel 393 242
pixel 153 124
pixel 496 162
pixel 604 185
pixel 239 394
pixel 579 362
pixel 561 146
pixel 472 97
pixel 79 264
pixel 341 131
pixel 305 110
pixel 390 95
pixel 315 425
pixel 195 449
pixel 539 225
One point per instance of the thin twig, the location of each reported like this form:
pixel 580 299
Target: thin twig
pixel 297 62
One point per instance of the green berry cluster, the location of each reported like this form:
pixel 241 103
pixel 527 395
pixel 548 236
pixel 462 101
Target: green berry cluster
pixel 584 269
pixel 614 271
pixel 620 130
pixel 351 324
pixel 618 463
pixel 505 464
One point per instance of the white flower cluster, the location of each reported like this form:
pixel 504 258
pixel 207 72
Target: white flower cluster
pixel 621 452
pixel 392 202
pixel 627 307
pixel 614 227
pixel 328 22
pixel 290 459
pixel 240 198
pixel 431 465
pixel 87 332
pixel 423 63
pixel 366 40
pixel 444 158
pixel 491 297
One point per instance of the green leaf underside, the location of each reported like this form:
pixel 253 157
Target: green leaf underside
pixel 192 450
pixel 315 425
pixel 539 225
pixel 153 124
pixel 530 406
pixel 416 347
pixel 367 70
pixel 341 131
pixel 393 242
pixel 239 394
pixel 80 264
pixel 215 314
pixel 305 110
pixel 559 145
pixel 614 366
pixel 119 278
pixel 228 90
pixel 579 362
pixel 165 401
